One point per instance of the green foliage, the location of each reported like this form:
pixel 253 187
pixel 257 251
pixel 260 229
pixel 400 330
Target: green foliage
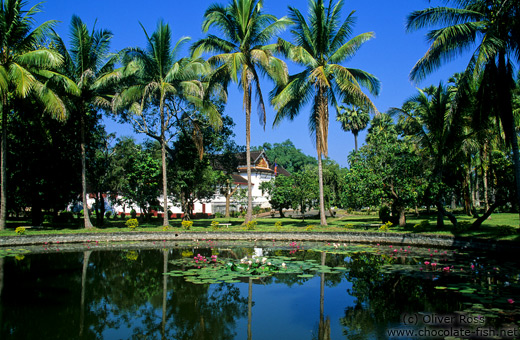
pixel 219 215
pixel 251 225
pixel 285 154
pixel 384 214
pixel 215 225
pixel 506 230
pixel 423 225
pixel 20 231
pixel 132 223
pixel 462 226
pixel 108 214
pixel 309 228
pixel 133 213
pixel 385 227
pixel 187 225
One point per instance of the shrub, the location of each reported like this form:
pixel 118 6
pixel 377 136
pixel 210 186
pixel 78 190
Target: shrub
pixel 278 225
pixel 257 209
pixel 122 215
pixel 348 226
pixel 462 226
pixel 309 228
pixel 219 215
pixel 506 230
pixel 421 225
pixel 385 227
pixel 251 225
pixel 384 214
pixel 108 214
pixel 187 224
pixel 48 218
pixel 215 225
pixel 133 213
pixel 166 228
pixel 132 223
pixel 20 230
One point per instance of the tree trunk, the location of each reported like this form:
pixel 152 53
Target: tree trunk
pixel 355 142
pixel 281 213
pixel 250 310
pixel 249 213
pixel 3 162
pixel 165 293
pixel 485 175
pixel 86 257
pixel 164 168
pixel 323 219
pixel 86 217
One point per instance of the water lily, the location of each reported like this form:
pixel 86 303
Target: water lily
pixel 511 301
pixel 284 265
pixel 426 263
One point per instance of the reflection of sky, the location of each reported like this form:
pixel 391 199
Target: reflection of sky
pixel 127 330
pixel 281 312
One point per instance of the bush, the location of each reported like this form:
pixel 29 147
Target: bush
pixel 133 213
pixel 309 228
pixel 421 226
pixel 506 230
pixel 385 227
pixel 187 224
pixel 384 214
pixel 278 225
pixel 251 225
pixel 257 210
pixel 108 214
pixel 20 230
pixel 462 226
pixel 132 223
pixel 165 228
pixel 348 226
pixel 48 218
pixel 215 225
pixel 218 215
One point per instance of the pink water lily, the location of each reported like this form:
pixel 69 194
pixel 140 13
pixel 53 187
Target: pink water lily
pixel 511 301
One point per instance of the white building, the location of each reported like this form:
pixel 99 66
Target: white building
pixel 262 170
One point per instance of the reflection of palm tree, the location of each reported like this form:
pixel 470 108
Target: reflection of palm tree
pixel 165 293
pixel 324 326
pixel 250 309
pixel 86 257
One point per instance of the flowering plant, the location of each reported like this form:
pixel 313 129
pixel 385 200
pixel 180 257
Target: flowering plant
pixel 186 224
pixel 20 230
pixel 132 223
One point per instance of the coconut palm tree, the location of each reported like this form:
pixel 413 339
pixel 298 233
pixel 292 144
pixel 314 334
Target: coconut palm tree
pixel 242 56
pixel 24 69
pixel 489 30
pixel 90 67
pixel 159 80
pixel 353 119
pixel 321 44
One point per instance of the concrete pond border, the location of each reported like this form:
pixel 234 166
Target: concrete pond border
pixel 433 240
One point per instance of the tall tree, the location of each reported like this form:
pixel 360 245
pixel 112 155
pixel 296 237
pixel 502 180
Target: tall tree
pixel 321 44
pixel 165 83
pixel 354 119
pixel 90 67
pixel 22 66
pixel 490 25
pixel 242 55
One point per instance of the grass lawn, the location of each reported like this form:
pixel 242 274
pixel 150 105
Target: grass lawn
pixel 492 228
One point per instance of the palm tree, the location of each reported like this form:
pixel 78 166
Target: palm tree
pixel 242 56
pixel 90 67
pixel 490 25
pixel 162 81
pixel 320 47
pixel 23 66
pixel 353 119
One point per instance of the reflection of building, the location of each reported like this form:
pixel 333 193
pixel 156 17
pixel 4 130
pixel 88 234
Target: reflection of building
pixel 262 170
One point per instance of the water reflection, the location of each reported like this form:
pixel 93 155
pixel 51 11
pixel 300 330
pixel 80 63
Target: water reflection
pixel 124 295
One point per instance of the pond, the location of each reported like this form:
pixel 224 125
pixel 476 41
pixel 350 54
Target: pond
pixel 275 290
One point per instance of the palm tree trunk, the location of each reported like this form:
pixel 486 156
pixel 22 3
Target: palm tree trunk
pixel 516 164
pixel 249 213
pixel 323 219
pixel 485 175
pixel 3 162
pixel 86 217
pixel 163 159
pixel 250 310
pixel 355 142
pixel 165 293
pixel 86 257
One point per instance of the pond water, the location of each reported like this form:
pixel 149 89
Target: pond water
pixel 279 290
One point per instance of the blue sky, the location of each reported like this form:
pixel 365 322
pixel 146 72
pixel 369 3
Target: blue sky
pixel 390 56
